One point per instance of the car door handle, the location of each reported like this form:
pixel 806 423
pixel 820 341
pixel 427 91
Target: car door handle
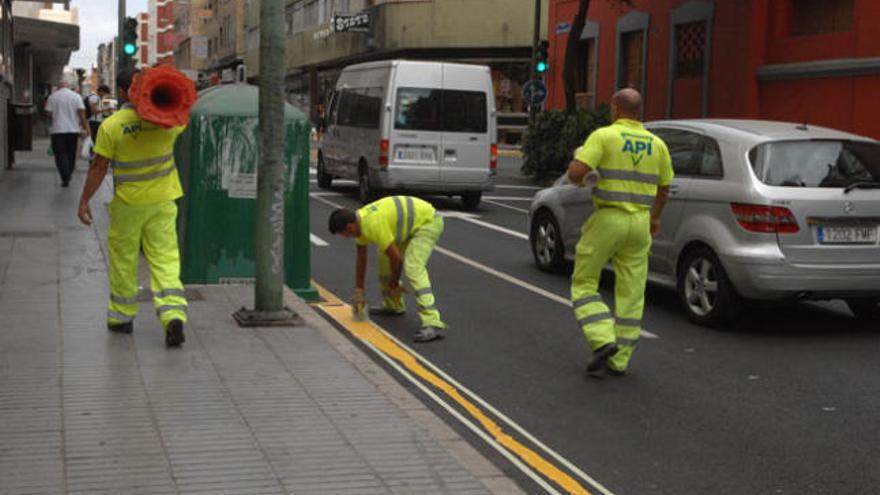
pixel 673 190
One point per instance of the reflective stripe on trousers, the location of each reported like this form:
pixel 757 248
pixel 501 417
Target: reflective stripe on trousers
pixel 153 228
pixel 625 239
pixel 415 254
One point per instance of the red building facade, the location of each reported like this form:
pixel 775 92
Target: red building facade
pixel 143 53
pixel 165 36
pixel 813 61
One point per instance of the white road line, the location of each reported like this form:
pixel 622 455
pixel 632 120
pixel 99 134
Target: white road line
pixel 492 226
pixel 479 400
pixel 456 414
pixel 514 208
pixel 519 283
pixel 317 241
pixel 319 197
pixel 507 198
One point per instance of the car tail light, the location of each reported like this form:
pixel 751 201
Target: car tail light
pixel 493 157
pixel 766 219
pixel 383 153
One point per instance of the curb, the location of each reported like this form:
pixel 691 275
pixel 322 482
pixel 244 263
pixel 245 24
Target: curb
pixel 495 481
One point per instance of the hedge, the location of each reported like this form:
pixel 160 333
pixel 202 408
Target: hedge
pixel 552 137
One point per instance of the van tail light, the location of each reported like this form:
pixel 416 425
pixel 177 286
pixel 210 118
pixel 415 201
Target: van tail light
pixel 765 219
pixel 493 157
pixel 383 153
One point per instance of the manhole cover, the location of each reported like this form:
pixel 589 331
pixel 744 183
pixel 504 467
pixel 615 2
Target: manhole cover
pixel 30 234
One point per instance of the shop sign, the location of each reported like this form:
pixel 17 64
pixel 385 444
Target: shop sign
pixel 351 23
pixel 563 27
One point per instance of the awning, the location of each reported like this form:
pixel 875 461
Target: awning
pixel 50 44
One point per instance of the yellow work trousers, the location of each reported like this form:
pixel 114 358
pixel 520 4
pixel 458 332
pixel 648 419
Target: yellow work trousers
pixel 152 228
pixel 416 253
pixel 623 238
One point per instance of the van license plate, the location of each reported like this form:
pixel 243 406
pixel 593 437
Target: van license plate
pixel 847 235
pixel 423 155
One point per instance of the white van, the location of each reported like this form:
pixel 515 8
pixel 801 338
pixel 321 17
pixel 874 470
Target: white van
pixel 401 125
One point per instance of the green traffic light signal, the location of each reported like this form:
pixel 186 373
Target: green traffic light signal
pixel 541 67
pixel 129 49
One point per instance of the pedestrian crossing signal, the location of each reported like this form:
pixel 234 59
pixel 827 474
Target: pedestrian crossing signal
pixel 542 62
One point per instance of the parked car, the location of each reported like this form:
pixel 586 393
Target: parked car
pixel 757 210
pixel 425 127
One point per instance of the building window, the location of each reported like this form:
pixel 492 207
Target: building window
pixel 690 50
pixel 585 73
pixel 253 38
pixel 821 16
pixel 632 44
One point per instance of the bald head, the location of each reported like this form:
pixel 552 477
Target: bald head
pixel 626 104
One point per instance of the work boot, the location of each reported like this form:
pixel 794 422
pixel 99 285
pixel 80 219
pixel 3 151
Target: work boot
pixel 614 372
pixel 387 312
pixel 174 333
pixel 427 334
pixel 121 327
pixel 600 357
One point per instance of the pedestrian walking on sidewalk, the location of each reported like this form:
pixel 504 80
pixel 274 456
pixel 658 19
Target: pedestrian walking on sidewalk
pixel 67 112
pixel 95 111
pixel 143 214
pixel 404 230
pixel 634 172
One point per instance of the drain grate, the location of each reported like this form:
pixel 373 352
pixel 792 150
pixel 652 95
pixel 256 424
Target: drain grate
pixel 146 295
pixel 26 234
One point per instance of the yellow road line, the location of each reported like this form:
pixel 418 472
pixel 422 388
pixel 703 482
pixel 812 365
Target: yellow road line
pixel 370 333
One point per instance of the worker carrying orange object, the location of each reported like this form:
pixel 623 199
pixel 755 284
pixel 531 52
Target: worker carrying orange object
pixel 163 95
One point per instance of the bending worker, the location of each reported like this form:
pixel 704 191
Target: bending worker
pixel 405 230
pixel 143 214
pixel 634 172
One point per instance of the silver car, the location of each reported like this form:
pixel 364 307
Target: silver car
pixel 757 210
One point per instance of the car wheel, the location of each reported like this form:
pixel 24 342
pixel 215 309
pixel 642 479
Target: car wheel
pixel 324 179
pixel 471 199
pixel 366 193
pixel 547 244
pixel 865 309
pixel 705 292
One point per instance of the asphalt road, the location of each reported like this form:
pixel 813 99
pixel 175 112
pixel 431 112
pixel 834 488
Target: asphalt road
pixel 785 402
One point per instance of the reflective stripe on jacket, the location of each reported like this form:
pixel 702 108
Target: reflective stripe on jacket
pixel 631 163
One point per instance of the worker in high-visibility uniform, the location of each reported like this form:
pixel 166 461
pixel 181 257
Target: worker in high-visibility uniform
pixel 143 214
pixel 634 172
pixel 404 230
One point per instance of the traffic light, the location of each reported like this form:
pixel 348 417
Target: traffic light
pixel 542 61
pixel 130 36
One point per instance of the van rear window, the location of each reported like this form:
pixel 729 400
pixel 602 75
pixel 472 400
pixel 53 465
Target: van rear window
pixel 446 110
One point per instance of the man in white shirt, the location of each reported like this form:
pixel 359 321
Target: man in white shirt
pixel 68 114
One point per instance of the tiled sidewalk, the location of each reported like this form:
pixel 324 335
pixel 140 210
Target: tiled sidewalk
pixel 234 411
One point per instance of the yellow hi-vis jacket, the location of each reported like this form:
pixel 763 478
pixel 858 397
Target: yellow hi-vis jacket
pixel 392 220
pixel 631 163
pixel 141 155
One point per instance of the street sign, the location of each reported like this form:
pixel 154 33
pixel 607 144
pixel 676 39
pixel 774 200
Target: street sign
pixel 535 92
pixel 351 23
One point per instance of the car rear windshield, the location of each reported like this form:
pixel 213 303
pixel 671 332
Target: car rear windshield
pixel 816 163
pixel 422 109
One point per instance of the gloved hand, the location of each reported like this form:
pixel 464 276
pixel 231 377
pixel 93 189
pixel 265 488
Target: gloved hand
pixel 396 292
pixel 359 299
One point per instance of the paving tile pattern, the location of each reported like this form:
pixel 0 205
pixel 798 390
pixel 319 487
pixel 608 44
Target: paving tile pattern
pixel 235 411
